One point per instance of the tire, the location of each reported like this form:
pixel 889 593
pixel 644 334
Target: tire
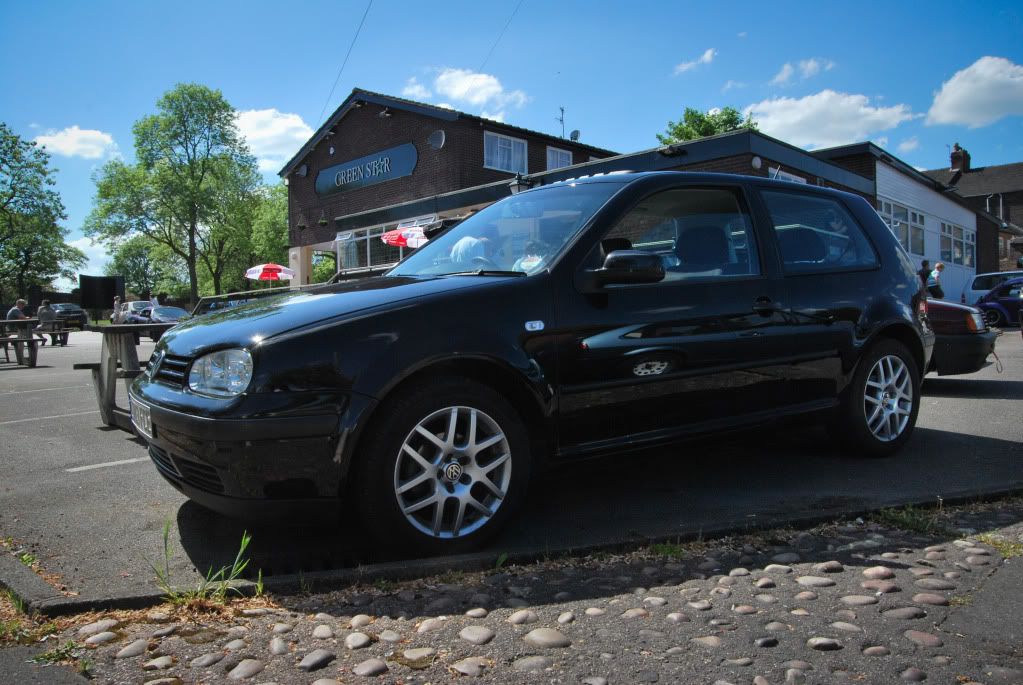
pixel 860 431
pixel 993 317
pixel 389 482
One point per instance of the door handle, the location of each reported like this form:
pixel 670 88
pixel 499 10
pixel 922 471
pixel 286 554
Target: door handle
pixel 764 306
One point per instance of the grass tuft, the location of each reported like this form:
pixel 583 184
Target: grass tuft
pixel 1007 548
pixel 915 519
pixel 211 592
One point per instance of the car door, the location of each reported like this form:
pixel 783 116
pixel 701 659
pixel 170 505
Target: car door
pixel 696 351
pixel 830 272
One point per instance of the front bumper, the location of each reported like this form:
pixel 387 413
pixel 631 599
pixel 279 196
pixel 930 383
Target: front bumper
pixel 955 354
pixel 254 469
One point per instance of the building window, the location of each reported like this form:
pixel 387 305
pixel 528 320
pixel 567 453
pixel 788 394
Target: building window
pixel 557 158
pixel 504 153
pixel 958 245
pixel 363 250
pixel 905 223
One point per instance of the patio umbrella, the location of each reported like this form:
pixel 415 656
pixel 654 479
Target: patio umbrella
pixel 270 272
pixel 405 237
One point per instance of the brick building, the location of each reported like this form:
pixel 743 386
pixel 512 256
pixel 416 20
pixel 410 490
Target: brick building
pixel 994 190
pixel 381 162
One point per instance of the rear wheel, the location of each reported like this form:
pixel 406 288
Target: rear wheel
pixel 445 465
pixel 880 406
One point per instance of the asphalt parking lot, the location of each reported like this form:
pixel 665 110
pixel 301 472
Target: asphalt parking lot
pixel 85 500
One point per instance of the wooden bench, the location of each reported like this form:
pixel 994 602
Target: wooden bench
pixel 56 330
pixel 21 345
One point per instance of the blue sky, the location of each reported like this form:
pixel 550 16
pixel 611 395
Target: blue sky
pixel 914 77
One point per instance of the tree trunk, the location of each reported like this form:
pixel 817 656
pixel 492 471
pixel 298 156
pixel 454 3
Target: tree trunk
pixel 193 277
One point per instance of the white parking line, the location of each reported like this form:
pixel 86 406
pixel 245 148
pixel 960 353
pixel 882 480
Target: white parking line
pixel 65 387
pixel 44 418
pixel 105 464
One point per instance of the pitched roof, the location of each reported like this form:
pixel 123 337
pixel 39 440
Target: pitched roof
pixel 1002 178
pixel 359 95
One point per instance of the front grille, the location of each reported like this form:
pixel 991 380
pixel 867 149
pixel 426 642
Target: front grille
pixel 196 474
pixel 172 370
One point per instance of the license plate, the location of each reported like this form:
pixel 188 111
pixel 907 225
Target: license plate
pixel 140 417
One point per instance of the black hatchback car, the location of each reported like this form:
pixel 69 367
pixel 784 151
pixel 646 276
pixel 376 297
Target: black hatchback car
pixel 580 318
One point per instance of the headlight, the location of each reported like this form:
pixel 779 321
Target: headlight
pixel 225 373
pixel 975 322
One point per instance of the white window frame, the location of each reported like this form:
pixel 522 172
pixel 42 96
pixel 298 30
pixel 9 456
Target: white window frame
pixel 550 149
pixel 782 175
pixel 500 136
pixel 915 221
pixel 968 237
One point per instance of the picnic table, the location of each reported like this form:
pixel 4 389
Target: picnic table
pixel 118 360
pixel 18 334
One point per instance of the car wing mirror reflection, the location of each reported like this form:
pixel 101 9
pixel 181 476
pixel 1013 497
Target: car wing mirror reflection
pixel 622 267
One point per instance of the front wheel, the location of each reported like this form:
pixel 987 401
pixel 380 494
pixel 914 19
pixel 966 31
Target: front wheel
pixel 445 465
pixel 993 317
pixel 880 406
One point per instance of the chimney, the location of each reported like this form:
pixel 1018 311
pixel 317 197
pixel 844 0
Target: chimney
pixel 960 159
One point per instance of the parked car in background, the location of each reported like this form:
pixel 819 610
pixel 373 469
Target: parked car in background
pixel 581 318
pixel 1001 306
pixel 982 284
pixel 130 311
pixel 962 340
pixel 164 314
pixel 71 314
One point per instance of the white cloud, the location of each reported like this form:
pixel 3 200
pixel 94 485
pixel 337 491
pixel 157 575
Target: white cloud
pixel 495 116
pixel 272 136
pixel 813 66
pixel 98 258
pixel 826 118
pixel 741 34
pixel 783 76
pixel 706 58
pixel 730 84
pixel 415 90
pixel 909 144
pixel 477 89
pixel 445 105
pixel 980 94
pixel 881 141
pixel 77 142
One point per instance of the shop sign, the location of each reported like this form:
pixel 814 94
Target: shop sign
pixel 378 167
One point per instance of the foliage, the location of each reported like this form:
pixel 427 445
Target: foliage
pixel 213 588
pixel 696 124
pixel 915 519
pixel 324 267
pixel 135 260
pixel 270 226
pixel 192 168
pixel 68 651
pixel 1007 548
pixel 33 245
pixel 25 180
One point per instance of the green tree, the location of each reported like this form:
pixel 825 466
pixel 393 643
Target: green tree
pixel 25 185
pixel 135 260
pixel 226 244
pixel 36 254
pixel 172 193
pixel 270 226
pixel 696 124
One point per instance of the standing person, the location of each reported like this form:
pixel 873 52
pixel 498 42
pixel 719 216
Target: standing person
pixel 934 281
pixel 116 314
pixel 924 273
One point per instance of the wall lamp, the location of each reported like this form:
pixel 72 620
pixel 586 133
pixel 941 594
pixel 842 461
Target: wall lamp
pixel 519 183
pixel 385 112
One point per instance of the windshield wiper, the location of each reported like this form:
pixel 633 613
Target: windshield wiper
pixel 487 272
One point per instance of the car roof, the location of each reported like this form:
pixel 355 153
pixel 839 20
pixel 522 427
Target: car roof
pixel 629 177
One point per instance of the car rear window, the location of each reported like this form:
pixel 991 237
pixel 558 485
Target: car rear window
pixel 817 234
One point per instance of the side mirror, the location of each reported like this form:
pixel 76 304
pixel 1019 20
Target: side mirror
pixel 623 267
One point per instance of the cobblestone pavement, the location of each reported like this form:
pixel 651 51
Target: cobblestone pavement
pixel 850 602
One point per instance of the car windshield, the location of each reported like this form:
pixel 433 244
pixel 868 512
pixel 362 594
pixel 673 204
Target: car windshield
pixel 170 311
pixel 138 306
pixel 65 307
pixel 521 234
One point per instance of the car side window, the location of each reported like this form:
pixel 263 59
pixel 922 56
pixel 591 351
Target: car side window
pixel 817 234
pixel 697 233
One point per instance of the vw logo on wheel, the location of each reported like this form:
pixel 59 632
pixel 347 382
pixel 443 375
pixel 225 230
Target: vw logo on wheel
pixel 453 471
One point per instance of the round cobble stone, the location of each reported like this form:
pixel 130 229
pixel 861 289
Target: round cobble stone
pixel 766 642
pixel 136 648
pixel 531 664
pixel 246 669
pixel 358 641
pixel 923 639
pixel 823 644
pixel 712 641
pixel 858 600
pixel 905 613
pixel 815 581
pixel 477 635
pixel 316 659
pixel 523 617
pixel 547 637
pixel 370 668
pixel 876 650
pixel 913 674
pixel 878 573
pixel 931 599
pixel 934 584
pixel 471 666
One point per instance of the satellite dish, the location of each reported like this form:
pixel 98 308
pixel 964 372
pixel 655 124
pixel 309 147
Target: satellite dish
pixel 436 140
pixel 574 135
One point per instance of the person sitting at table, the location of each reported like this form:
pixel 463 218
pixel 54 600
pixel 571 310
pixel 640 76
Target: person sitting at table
pixel 18 312
pixel 46 316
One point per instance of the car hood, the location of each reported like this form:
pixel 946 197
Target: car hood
pixel 255 322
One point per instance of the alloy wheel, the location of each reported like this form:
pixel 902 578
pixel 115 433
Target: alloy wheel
pixel 888 398
pixel 452 472
pixel 992 317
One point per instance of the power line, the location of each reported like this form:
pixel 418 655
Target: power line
pixel 347 54
pixel 492 47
